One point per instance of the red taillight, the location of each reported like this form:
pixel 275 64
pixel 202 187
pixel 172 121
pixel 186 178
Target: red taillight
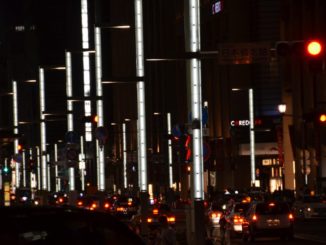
pixel 215 215
pixel 106 205
pixel 80 203
pixel 238 219
pixel 291 217
pixel 155 211
pixel 254 217
pixel 60 200
pixel 149 220
pixel 171 219
pixel 94 205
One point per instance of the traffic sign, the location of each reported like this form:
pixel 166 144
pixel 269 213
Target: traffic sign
pixel 244 53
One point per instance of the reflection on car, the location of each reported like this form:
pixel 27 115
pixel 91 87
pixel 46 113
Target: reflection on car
pixel 62 225
pixel 270 218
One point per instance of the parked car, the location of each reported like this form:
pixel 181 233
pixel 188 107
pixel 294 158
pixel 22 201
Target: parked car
pixel 62 225
pixel 270 218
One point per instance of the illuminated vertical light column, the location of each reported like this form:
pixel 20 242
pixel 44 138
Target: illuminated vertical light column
pixel 70 119
pixel 252 137
pixel 170 151
pixel 82 164
pixel 124 148
pixel 24 167
pixel 196 101
pixel 32 175
pixel 142 154
pixel 99 106
pixel 38 165
pixel 86 69
pixel 56 170
pixel 42 131
pixel 48 169
pixel 15 120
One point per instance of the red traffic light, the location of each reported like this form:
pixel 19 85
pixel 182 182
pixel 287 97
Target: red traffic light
pixel 314 48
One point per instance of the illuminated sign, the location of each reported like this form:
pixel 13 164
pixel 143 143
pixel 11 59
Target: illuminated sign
pixel 217 7
pixel 244 123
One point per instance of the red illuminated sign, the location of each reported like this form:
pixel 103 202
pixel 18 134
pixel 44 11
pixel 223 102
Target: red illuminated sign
pixel 245 123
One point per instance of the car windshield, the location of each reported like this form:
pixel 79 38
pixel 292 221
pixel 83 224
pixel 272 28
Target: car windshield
pixel 272 208
pixel 241 207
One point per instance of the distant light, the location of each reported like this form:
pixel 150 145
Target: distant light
pixel 113 123
pixel 314 48
pixel 282 108
pixel 59 68
pixel 156 113
pixel 117 27
pixel 236 89
pixel 30 81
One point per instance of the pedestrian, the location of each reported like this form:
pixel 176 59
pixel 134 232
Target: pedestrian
pixel 225 228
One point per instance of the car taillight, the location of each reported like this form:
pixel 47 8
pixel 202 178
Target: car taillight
pixel 254 217
pixel 94 205
pixel 291 217
pixel 155 211
pixel 80 203
pixel 238 219
pixel 215 215
pixel 106 205
pixel 171 219
pixel 60 200
pixel 149 220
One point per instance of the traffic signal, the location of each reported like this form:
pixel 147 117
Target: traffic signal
pixel 315 53
pixel 92 119
pixel 311 51
pixel 322 118
pixel 19 147
pixel 5 169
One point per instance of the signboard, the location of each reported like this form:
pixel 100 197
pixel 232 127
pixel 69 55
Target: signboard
pixel 244 53
pixel 217 7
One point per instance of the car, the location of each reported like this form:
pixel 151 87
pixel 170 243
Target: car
pixel 238 213
pixel 58 199
pixel 309 207
pixel 62 225
pixel 88 202
pixel 268 219
pixel 125 207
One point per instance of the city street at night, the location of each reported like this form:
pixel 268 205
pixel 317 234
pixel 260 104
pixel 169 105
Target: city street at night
pixel 162 122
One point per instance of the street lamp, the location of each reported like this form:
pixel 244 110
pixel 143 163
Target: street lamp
pixel 44 175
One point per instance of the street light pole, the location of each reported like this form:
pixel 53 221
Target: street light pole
pixel 252 138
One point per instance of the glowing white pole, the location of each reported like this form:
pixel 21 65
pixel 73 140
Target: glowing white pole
pixel 141 96
pixel 196 102
pixel 252 137
pixel 124 147
pixel 70 119
pixel 43 131
pixel 57 179
pixel 170 151
pixel 82 163
pixel 86 69
pixel 15 120
pixel 48 168
pixel 99 107
pixel 38 164
pixel 24 167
